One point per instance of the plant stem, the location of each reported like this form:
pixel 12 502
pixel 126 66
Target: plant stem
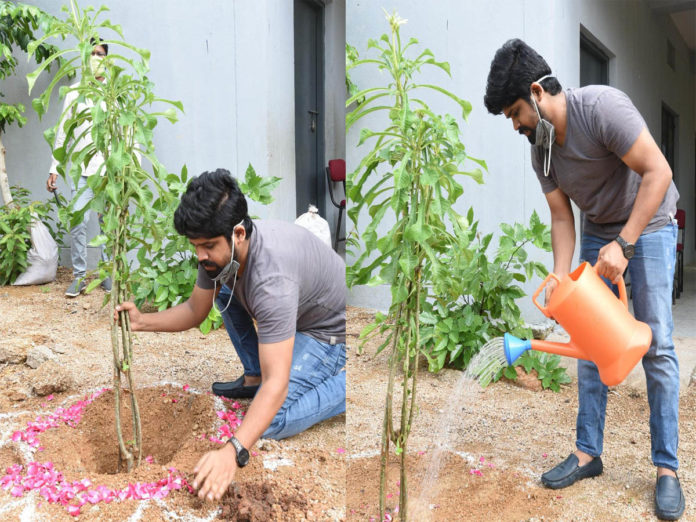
pixel 387 424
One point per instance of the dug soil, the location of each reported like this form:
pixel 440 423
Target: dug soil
pixel 301 478
pixel 499 441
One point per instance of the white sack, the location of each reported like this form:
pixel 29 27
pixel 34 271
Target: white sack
pixel 317 225
pixel 42 258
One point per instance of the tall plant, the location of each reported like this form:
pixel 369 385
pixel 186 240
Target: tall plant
pixel 120 119
pixel 19 24
pixel 409 179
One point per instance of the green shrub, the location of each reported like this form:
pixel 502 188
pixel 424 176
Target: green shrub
pixel 15 236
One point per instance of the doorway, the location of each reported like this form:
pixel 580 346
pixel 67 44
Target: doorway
pixel 310 184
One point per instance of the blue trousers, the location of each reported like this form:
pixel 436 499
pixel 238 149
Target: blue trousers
pixel 652 271
pixel 317 387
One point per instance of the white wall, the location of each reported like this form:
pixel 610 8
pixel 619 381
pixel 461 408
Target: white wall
pixel 466 34
pixel 232 66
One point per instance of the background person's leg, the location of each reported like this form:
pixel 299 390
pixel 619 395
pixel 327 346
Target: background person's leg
pixel 317 388
pixel 78 234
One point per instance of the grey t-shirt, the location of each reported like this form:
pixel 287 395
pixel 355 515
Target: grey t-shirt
pixel 602 125
pixel 292 282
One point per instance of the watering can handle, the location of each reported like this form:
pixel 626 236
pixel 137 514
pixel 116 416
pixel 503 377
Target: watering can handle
pixel 543 284
pixel 623 296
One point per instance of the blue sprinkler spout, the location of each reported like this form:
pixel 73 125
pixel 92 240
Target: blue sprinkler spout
pixel 515 347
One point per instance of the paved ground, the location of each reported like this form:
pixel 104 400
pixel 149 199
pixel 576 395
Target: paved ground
pixel 684 335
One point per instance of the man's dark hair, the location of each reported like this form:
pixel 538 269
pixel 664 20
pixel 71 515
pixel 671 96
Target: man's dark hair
pixel 211 206
pixel 513 69
pixel 99 41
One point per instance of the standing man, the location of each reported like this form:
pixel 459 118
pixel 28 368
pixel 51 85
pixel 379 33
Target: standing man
pixel 591 145
pixel 293 285
pixel 84 194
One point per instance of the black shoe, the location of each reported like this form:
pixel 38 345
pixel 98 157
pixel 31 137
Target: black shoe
pixel 669 499
pixel 235 389
pixel 568 472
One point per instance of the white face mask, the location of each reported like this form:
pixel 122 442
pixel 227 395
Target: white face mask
pixel 545 134
pixel 229 270
pixel 95 63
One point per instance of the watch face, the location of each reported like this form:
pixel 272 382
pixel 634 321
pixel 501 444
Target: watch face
pixel 628 251
pixel 243 458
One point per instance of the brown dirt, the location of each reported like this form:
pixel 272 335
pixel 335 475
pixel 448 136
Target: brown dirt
pixel 77 331
pixel 519 431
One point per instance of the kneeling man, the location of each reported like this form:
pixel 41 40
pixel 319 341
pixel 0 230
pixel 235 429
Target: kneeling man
pixel 293 286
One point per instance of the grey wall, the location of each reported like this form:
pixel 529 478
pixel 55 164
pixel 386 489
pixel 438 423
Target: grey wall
pixel 467 34
pixel 232 66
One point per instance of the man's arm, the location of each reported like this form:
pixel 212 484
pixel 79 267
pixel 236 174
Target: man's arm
pixel 216 469
pixel 562 235
pixel 645 158
pixel 188 314
pixel 59 142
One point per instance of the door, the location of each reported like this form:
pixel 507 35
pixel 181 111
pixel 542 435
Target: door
pixel 310 181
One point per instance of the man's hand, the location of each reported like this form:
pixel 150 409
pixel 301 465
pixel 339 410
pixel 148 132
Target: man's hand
pixel 215 472
pixel 136 318
pixel 611 262
pixel 51 182
pixel 550 287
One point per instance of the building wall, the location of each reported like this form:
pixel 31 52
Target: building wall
pixel 231 64
pixel 467 34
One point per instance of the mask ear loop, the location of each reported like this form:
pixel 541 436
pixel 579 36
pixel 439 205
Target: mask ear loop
pixel 231 295
pixel 547 157
pixel 552 135
pixel 234 283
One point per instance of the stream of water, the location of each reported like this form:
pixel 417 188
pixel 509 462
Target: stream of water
pixel 480 371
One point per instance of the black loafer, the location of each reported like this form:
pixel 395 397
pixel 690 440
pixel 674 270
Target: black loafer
pixel 568 472
pixel 669 499
pixel 235 389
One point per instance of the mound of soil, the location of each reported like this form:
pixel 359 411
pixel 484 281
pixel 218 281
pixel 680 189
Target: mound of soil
pixel 251 503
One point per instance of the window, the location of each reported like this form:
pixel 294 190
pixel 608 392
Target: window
pixel 594 63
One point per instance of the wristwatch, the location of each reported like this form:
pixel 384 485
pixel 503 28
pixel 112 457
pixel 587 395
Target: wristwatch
pixel 628 248
pixel 242 452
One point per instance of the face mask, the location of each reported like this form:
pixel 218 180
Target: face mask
pixel 229 270
pixel 95 64
pixel 544 134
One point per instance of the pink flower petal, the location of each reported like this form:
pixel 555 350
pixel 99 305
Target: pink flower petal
pixel 340 450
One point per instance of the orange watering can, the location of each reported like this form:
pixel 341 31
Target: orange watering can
pixel 600 326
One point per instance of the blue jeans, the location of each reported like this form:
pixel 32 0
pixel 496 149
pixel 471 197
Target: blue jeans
pixel 78 234
pixel 652 271
pixel 317 386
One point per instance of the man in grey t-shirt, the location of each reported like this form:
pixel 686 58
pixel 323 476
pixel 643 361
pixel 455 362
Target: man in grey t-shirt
pixel 287 281
pixel 591 146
